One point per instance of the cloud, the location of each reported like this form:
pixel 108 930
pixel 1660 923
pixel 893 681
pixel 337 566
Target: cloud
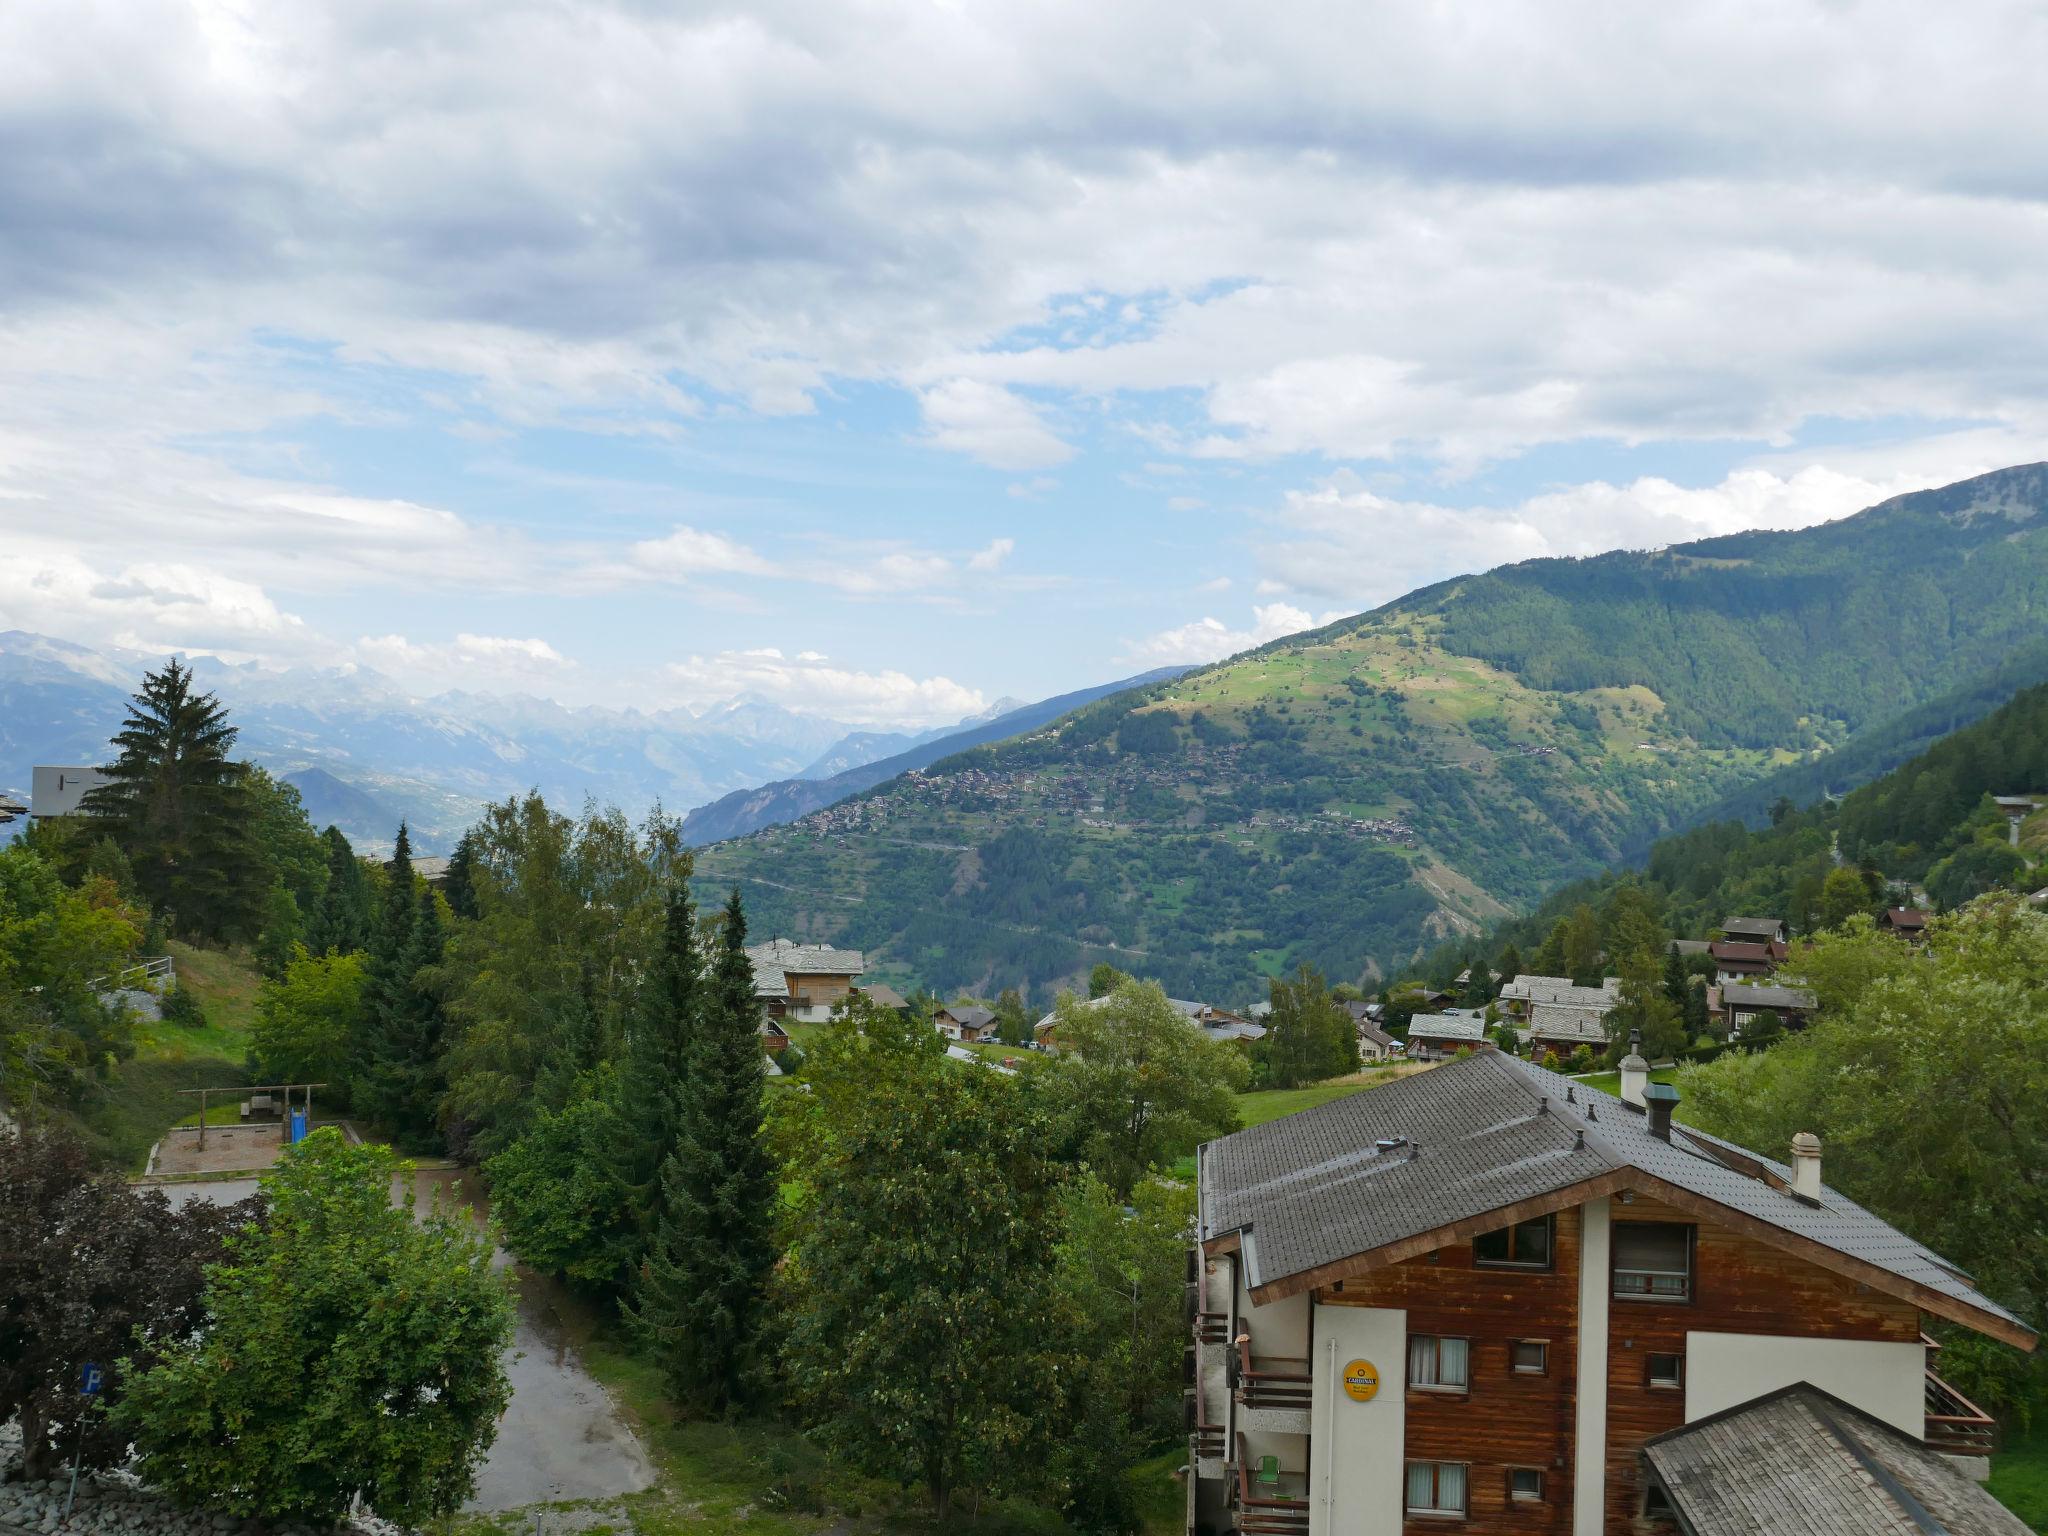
pixel 989 423
pixel 809 683
pixel 1339 540
pixel 485 662
pixel 687 552
pixel 148 606
pixel 991 557
pixel 1214 584
pixel 1210 639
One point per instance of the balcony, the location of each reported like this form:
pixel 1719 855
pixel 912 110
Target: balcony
pixel 1955 1425
pixel 1281 1383
pixel 1271 1501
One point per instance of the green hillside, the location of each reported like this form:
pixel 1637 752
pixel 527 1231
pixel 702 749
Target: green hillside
pixel 1353 795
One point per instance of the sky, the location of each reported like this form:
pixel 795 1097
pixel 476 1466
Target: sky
pixel 885 358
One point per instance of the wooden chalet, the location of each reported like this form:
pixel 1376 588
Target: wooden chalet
pixel 802 981
pixel 1748 1009
pixel 1754 930
pixel 1489 1297
pixel 1740 960
pixel 967 1022
pixel 1909 923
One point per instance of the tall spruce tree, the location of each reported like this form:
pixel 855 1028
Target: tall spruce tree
pixel 700 1300
pixel 658 1051
pixel 460 884
pixel 174 802
pixel 376 1078
pixel 340 924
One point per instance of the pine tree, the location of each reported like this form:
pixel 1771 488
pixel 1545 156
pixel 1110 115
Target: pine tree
pixel 460 885
pixel 658 1052
pixel 173 801
pixel 700 1299
pixel 1509 965
pixel 376 1084
pixel 340 924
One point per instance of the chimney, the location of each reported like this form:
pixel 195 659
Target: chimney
pixel 1806 1167
pixel 1635 1072
pixel 1660 1099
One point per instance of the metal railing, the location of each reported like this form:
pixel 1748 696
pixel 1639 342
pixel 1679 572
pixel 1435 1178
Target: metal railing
pixel 162 968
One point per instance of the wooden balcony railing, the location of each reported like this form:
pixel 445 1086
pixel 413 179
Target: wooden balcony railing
pixel 1207 1441
pixel 1212 1327
pixel 1267 1514
pixel 1955 1424
pixel 1259 1386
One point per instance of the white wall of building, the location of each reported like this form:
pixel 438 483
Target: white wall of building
pixel 1356 1466
pixel 1589 1465
pixel 59 791
pixel 1885 1380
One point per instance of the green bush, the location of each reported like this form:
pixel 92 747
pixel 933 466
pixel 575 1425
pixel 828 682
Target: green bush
pixel 181 1008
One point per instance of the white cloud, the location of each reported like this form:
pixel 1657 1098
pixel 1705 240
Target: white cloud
pixel 991 556
pixel 1185 503
pixel 990 423
pixel 809 683
pixel 149 606
pixel 1342 541
pixel 477 662
pixel 687 552
pixel 1214 584
pixel 1210 639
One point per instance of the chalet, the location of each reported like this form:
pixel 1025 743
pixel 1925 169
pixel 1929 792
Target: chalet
pixel 1491 1295
pixel 1739 960
pixel 1375 1044
pixel 966 1021
pixel 1433 1036
pixel 883 996
pixel 802 981
pixel 1754 930
pixel 1216 1023
pixel 2017 808
pixel 1909 923
pixel 1551 1014
pixel 1747 1009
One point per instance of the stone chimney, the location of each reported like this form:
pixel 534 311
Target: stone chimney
pixel 1806 1167
pixel 1635 1072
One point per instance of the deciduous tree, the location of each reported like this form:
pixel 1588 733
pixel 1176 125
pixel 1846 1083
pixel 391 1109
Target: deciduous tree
pixel 351 1346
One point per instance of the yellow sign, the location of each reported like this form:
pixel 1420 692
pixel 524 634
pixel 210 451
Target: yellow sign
pixel 1361 1380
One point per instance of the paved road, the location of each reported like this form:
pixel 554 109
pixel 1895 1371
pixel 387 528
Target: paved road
pixel 560 1438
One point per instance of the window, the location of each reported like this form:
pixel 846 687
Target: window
pixel 1667 1370
pixel 1653 1259
pixel 1436 1488
pixel 1525 1245
pixel 1438 1364
pixel 1530 1357
pixel 1525 1483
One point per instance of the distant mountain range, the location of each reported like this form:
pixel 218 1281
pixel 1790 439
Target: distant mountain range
pixel 1348 796
pixel 771 805
pixel 364 753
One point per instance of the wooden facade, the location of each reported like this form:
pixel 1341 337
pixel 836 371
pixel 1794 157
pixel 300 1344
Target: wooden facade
pixel 1504 1419
pixel 1739 1285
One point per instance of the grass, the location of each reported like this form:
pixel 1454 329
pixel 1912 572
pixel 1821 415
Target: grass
pixel 1161 1497
pixel 144 1095
pixel 2019 1474
pixel 1264 1104
pixel 1610 1082
pixel 749 1478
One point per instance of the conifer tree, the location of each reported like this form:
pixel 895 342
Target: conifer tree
pixel 658 1052
pixel 174 801
pixel 700 1298
pixel 384 1056
pixel 340 924
pixel 460 885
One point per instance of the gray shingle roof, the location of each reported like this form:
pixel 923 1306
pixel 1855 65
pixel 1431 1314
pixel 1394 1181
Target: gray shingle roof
pixel 970 1015
pixel 1735 994
pixel 1559 989
pixel 1800 1460
pixel 1447 1026
pixel 1758 928
pixel 1480 1134
pixel 1563 1021
pixel 774 961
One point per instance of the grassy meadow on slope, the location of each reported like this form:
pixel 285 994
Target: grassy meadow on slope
pixel 1349 796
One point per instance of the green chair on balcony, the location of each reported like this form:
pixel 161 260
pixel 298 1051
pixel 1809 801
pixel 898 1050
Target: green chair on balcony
pixel 1268 1475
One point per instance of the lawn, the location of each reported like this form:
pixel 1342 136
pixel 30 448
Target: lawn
pixel 757 1477
pixel 2019 1474
pixel 143 1095
pixel 1610 1082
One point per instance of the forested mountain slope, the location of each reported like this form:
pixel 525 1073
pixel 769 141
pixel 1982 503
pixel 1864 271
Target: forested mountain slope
pixel 1925 828
pixel 1349 795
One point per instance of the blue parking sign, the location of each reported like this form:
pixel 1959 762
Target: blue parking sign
pixel 89 1379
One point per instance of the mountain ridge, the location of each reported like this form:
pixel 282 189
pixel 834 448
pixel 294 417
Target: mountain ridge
pixel 1351 794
